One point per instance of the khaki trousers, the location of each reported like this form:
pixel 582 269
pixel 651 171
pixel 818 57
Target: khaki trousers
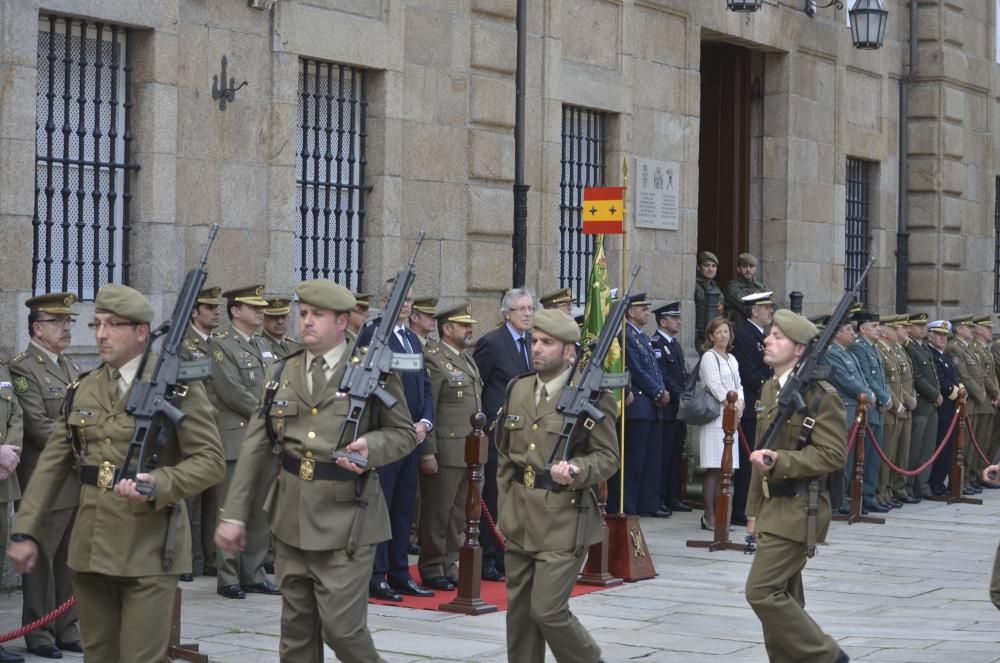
pixel 126 620
pixel 995 581
pixel 324 598
pixel 247 567
pixel 897 482
pixel 538 589
pixel 983 427
pixel 890 445
pixel 51 584
pixel 442 521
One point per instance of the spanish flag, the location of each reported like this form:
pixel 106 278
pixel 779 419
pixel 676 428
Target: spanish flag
pixel 603 210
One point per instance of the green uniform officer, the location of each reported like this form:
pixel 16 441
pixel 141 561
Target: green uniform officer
pixel 736 310
pixel 561 299
pixel 776 507
pixel 457 392
pixel 971 372
pixel 550 517
pixel 41 374
pixel 124 581
pixel 422 321
pixel 894 416
pixel 11 430
pixel 985 422
pixel 326 516
pixel 276 317
pixel 989 476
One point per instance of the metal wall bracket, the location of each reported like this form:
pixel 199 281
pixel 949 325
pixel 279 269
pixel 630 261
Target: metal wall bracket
pixel 226 94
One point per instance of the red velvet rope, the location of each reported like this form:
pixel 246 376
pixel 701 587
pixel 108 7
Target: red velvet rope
pixel 497 534
pixel 40 622
pixel 975 442
pixel 930 461
pixel 852 437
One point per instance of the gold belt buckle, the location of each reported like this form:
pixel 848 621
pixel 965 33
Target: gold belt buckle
pixel 529 477
pixel 105 476
pixel 307 469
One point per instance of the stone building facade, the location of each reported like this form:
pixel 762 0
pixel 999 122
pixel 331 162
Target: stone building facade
pixel 421 119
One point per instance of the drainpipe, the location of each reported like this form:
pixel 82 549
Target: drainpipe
pixel 519 238
pixel 902 232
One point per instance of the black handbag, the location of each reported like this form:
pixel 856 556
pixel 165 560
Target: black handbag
pixel 698 406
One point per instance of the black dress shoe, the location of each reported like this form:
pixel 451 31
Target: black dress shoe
pixel 844 510
pixel 231 592
pixel 977 487
pixel 886 505
pixel 894 502
pixel 842 657
pixel 10 657
pixel 739 520
pixel 413 549
pixel 266 587
pixel 439 582
pixel 45 651
pixel 875 507
pixel 968 490
pixel 938 491
pixel 677 505
pixel 656 514
pixel 908 499
pixel 187 577
pixel 269 567
pixel 76 646
pixel 411 588
pixel 383 591
pixel 453 580
pixel 490 572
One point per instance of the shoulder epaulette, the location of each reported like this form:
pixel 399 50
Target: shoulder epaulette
pixel 432 351
pixel 21 357
pixel 219 334
pixel 827 387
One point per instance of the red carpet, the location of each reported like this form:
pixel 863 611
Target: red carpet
pixel 494 593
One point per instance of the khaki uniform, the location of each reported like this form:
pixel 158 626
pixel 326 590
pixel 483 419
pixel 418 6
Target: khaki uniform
pixel 894 421
pixel 282 348
pixel 987 416
pixel 239 367
pixel 970 371
pixel 995 580
pixel 543 556
pixel 11 432
pixel 458 394
pixel 321 580
pixel 40 385
pixel 116 548
pixel 995 435
pixel 733 296
pixel 774 585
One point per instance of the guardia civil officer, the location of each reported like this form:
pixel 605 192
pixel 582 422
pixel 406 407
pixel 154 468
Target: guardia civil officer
pixel 776 508
pixel 326 516
pixel 540 511
pixel 124 581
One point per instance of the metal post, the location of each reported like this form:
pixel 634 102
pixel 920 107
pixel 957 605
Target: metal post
pixel 519 239
pixel 795 301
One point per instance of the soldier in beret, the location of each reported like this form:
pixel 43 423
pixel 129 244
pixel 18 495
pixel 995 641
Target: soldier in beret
pixel 458 394
pixel 41 375
pixel 776 508
pixel 561 299
pixel 124 581
pixel 708 266
pixel 736 310
pixel 550 517
pixel 240 357
pixel 326 516
pixel 275 330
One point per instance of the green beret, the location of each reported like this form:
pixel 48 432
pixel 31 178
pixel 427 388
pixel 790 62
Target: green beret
pixel 125 302
pixel 557 324
pixel 794 326
pixel 707 256
pixel 746 259
pixel 326 294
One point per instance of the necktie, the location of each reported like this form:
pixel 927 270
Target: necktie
pixel 543 396
pixel 317 372
pixel 116 377
pixel 524 352
pixel 403 340
pixel 64 367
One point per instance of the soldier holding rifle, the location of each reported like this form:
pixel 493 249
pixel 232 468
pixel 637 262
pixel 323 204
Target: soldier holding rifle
pixel 991 476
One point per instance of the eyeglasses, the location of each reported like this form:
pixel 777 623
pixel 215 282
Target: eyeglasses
pixel 65 322
pixel 95 325
pixel 523 309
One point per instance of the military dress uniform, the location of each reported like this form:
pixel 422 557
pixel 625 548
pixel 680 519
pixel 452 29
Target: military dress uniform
pixel 944 365
pixel 994 439
pixel 873 370
pixel 972 375
pixel 923 432
pixel 325 534
pixel 286 345
pixel 896 485
pixel 893 423
pixel 670 359
pixel 11 432
pixel 847 379
pixel 548 531
pixel 239 366
pixel 127 555
pixel 987 416
pixel 40 380
pixel 736 309
pixel 457 395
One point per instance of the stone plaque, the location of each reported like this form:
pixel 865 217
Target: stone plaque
pixel 656 186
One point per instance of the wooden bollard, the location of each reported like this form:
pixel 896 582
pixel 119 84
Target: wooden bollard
pixel 595 571
pixel 956 478
pixel 720 539
pixel 858 470
pixel 470 556
pixel 176 650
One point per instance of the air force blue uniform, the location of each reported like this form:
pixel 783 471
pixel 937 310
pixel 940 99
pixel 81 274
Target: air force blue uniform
pixel 670 361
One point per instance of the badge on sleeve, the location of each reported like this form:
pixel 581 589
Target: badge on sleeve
pixel 20 384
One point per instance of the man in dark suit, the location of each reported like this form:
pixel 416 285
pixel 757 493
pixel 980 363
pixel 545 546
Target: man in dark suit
pixel 391 572
pixel 670 359
pixel 937 339
pixel 748 348
pixel 501 355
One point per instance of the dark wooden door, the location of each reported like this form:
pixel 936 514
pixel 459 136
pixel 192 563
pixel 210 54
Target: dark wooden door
pixel 724 155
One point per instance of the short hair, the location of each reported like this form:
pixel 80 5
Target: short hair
pixel 707 344
pixel 512 295
pixel 32 319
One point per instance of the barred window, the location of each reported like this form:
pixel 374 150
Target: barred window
pixel 996 246
pixel 330 173
pixel 583 135
pixel 82 156
pixel 857 247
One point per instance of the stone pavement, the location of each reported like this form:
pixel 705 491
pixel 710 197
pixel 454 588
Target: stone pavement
pixel 913 590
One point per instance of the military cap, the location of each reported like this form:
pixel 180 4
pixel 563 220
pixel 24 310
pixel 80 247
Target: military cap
pixel 324 293
pixel 278 305
pixel 557 324
pixel 861 316
pixel 887 319
pixel 672 309
pixel 901 320
pixel 461 314
pixel 425 305
pixel 54 303
pixel 855 307
pixel 984 320
pixel 962 320
pixel 820 320
pixel 746 260
pixel 707 256
pixel 210 296
pixel 125 302
pixel 556 297
pixel 759 298
pixel 918 319
pixel 940 326
pixel 363 299
pixel 794 326
pixel 251 295
pixel 638 299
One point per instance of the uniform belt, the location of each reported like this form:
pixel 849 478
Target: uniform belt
pixel 532 478
pixel 308 469
pixel 794 487
pixel 104 476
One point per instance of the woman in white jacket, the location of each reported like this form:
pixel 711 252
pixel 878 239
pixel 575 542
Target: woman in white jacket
pixel 720 373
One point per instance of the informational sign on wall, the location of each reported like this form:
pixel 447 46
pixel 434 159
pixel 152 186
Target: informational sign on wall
pixel 657 187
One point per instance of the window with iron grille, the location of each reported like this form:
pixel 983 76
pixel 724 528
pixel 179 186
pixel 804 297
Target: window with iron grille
pixel 330 173
pixel 82 156
pixel 996 248
pixel 582 160
pixel 857 246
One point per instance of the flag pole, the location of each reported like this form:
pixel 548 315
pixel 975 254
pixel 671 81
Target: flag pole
pixel 621 293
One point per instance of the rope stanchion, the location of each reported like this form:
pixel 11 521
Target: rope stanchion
pixel 852 436
pixel 956 476
pixel 928 463
pixel 497 534
pixel 40 622
pixel 724 493
pixel 856 441
pixel 975 442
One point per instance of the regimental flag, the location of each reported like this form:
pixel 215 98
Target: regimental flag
pixel 596 309
pixel 603 210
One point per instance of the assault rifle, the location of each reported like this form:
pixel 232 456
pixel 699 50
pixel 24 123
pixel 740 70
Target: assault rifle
pixel 153 400
pixel 366 379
